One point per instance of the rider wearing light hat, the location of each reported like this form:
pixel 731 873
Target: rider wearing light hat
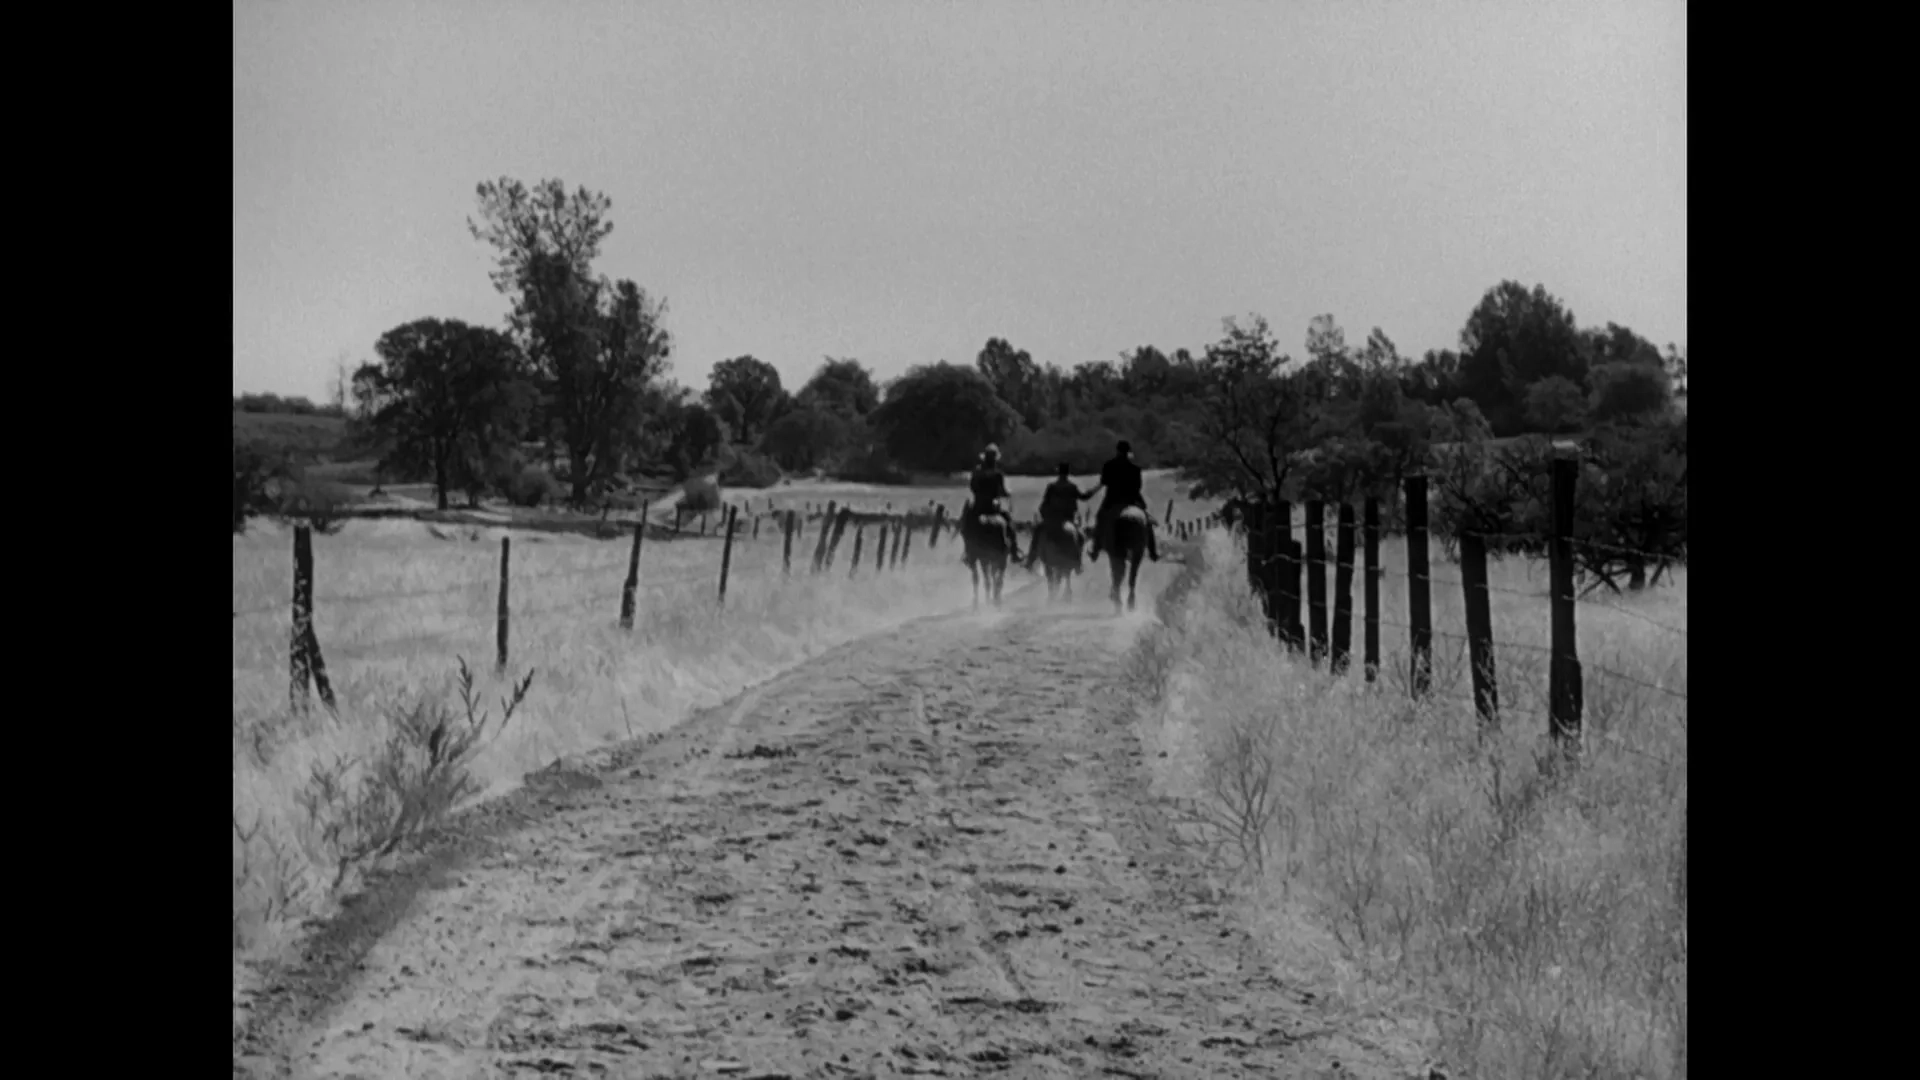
pixel 989 486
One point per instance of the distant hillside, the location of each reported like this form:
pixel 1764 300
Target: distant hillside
pixel 305 437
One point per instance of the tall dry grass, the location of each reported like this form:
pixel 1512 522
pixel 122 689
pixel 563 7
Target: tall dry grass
pixel 1461 900
pixel 397 604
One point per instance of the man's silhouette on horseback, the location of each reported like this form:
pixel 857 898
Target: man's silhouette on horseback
pixel 1121 480
pixel 989 486
pixel 1057 508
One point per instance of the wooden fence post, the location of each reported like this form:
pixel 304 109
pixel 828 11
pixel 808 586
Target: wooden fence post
pixel 880 548
pixel 756 526
pixel 1419 586
pixel 1564 691
pixel 1343 589
pixel 939 519
pixel 500 617
pixel 853 564
pixel 1473 580
pixel 840 529
pixel 726 554
pixel 906 545
pixel 679 511
pixel 306 666
pixel 1168 520
pixel 820 545
pixel 1287 549
pixel 899 530
pixel 1316 581
pixel 632 586
pixel 1371 588
pixel 786 544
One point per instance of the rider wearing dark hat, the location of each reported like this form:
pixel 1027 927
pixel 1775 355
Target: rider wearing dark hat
pixel 1125 487
pixel 1057 509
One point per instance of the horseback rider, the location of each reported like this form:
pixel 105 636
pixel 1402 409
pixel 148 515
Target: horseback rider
pixel 1057 509
pixel 1120 478
pixel 989 486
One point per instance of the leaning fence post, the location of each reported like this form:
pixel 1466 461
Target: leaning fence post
pixel 1316 581
pixel 1473 579
pixel 906 545
pixel 1419 596
pixel 1371 588
pixel 939 518
pixel 839 530
pixel 632 586
pixel 726 554
pixel 1563 678
pixel 1343 589
pixel 880 549
pixel 306 666
pixel 899 529
pixel 786 545
pixel 859 535
pixel 500 618
pixel 820 545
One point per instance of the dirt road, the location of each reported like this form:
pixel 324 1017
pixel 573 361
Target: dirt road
pixel 931 853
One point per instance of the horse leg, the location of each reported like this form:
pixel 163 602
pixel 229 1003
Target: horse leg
pixel 1133 578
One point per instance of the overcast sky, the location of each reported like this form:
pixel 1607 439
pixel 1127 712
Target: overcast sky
pixel 898 182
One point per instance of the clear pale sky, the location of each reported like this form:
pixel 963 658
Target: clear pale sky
pixel 898 182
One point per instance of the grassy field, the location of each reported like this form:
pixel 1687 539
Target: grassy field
pixel 1524 928
pixel 396 601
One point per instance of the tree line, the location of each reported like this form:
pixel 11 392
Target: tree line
pixel 570 396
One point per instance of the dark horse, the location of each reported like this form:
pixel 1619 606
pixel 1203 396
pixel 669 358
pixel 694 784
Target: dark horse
pixel 985 537
pixel 1059 548
pixel 1128 548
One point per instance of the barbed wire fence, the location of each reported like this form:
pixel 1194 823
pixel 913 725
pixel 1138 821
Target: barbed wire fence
pixel 894 533
pixel 1278 566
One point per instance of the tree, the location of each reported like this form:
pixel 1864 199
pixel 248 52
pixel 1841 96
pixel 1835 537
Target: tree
pixel 1016 379
pixel 687 434
pixel 937 418
pixel 596 345
pixel 444 392
pixel 1628 391
pixel 746 393
pixel 843 387
pixel 1556 406
pixel 806 438
pixel 1255 419
pixel 1511 340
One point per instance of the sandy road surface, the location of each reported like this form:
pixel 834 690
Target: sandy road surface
pixel 931 853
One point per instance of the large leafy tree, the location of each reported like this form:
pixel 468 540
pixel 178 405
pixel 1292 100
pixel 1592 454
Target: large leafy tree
pixel 841 386
pixel 443 395
pixel 746 393
pixel 1016 379
pixel 937 417
pixel 1256 417
pixel 596 345
pixel 1514 338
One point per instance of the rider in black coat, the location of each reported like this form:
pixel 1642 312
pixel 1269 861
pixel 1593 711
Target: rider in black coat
pixel 1125 487
pixel 1057 507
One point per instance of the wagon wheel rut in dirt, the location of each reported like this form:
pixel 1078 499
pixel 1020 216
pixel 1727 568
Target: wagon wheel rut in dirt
pixel 923 856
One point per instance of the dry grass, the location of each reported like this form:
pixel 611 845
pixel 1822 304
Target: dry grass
pixel 397 603
pixel 1462 901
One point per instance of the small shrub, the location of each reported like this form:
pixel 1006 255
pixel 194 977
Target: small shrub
pixel 531 486
pixel 750 470
pixel 358 811
pixel 700 494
